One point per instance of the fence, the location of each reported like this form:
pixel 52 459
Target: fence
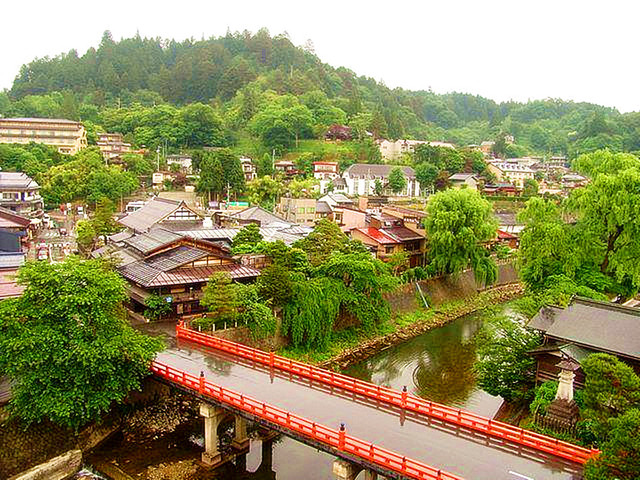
pixel 404 400
pixel 337 439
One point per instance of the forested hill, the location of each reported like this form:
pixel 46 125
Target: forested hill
pixel 232 71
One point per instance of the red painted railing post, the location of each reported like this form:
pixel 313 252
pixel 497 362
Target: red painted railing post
pixel 404 464
pixel 201 385
pixel 271 359
pixel 341 436
pixel 404 396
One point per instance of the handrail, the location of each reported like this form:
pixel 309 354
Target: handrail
pixel 404 400
pixel 337 439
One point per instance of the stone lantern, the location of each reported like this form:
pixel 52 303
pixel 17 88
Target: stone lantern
pixel 562 414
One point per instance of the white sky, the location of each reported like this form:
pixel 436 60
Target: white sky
pixel 519 49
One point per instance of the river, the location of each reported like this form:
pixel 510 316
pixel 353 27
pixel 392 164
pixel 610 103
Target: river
pixel 437 365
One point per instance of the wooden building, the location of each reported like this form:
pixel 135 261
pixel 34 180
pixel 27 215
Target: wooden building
pixel 586 326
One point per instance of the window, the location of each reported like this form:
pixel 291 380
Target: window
pixel 388 249
pixel 311 210
pixel 300 209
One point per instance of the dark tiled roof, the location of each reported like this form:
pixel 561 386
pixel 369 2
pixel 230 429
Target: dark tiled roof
pixel 462 176
pixel 175 258
pixel 339 182
pixel 358 169
pixel 402 234
pixel 599 325
pixel 147 276
pixel 146 242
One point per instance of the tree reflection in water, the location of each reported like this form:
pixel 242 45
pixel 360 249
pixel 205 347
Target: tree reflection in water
pixel 437 365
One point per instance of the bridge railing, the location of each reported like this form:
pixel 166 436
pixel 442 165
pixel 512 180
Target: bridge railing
pixel 404 400
pixel 337 439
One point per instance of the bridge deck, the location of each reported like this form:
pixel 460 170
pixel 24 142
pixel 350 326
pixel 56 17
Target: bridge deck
pixel 469 454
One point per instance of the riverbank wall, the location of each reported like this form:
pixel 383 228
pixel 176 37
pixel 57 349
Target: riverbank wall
pixel 445 288
pixel 368 348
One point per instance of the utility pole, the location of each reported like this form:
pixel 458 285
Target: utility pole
pixel 158 159
pixel 273 159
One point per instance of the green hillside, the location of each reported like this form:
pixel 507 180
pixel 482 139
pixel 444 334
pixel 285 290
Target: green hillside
pixel 266 88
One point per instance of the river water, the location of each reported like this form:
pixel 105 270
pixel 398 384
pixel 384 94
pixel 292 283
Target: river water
pixel 437 365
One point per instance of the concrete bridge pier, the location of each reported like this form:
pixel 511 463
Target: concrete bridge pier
pixel 240 438
pixel 344 470
pixel 213 416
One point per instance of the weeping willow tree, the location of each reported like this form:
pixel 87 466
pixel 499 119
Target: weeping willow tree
pixel 458 222
pixel 345 283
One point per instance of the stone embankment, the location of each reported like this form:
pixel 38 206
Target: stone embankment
pixel 368 348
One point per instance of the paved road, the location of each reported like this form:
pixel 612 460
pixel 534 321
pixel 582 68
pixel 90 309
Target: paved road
pixel 463 452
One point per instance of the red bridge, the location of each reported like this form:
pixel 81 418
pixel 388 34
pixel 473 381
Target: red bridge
pixel 389 432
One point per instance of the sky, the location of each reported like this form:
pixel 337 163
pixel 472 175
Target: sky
pixel 504 50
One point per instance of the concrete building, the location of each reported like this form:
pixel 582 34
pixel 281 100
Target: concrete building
pixel 297 210
pixel 394 150
pixel 467 180
pixel 286 167
pixel 112 145
pixel 184 162
pixel 514 171
pixel 67 136
pixel 20 193
pixel 325 172
pixel 361 179
pixel 248 168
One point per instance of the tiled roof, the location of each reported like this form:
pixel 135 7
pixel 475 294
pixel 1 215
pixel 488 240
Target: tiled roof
pixel 11 260
pixel 175 258
pixel 38 120
pixel 600 325
pixel 259 214
pixel 358 169
pixel 323 207
pixel 149 277
pixel 17 181
pixel 288 235
pixel 378 236
pixel 402 234
pixel 153 212
pixel 9 218
pixel 146 242
pixel 462 176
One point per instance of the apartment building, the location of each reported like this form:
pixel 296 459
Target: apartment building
pixel 67 136
pixel 298 210
pixel 394 150
pixel 112 145
pixel 360 179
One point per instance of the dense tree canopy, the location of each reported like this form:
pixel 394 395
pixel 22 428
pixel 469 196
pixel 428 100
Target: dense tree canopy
pixel 67 345
pixel 458 222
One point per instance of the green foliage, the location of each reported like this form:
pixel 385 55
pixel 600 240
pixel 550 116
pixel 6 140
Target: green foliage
pixel 504 367
pixel 397 180
pixel 66 343
pixel 325 239
pixel 264 191
pixel 248 236
pixel 85 236
pixel 530 187
pixel 220 297
pixel 458 222
pixel 350 284
pixel 275 283
pixel 611 388
pixel 156 307
pixel 255 313
pixel 620 457
pixel 543 396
